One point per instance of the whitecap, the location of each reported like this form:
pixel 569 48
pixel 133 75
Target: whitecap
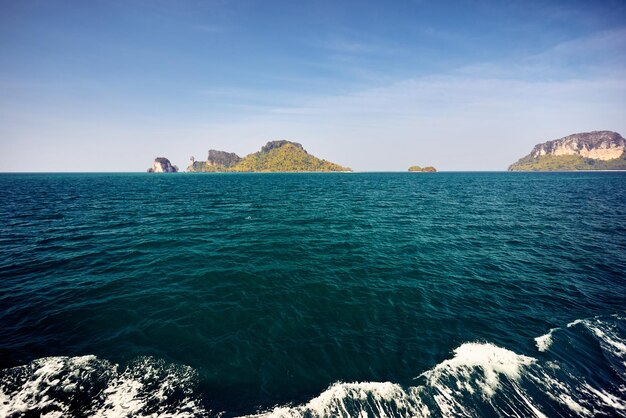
pixel 545 341
pixel 608 336
pixel 380 399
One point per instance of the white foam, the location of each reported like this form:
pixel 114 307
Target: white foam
pixel 475 366
pixel 121 400
pixel 382 399
pixel 545 341
pixel 608 336
pixel 46 374
pixel 49 384
pixel 490 359
pixel 526 400
pixel 606 398
pixel 480 366
pixel 573 405
pixel 576 322
pixel 558 390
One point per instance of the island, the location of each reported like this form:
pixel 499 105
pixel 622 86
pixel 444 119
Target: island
pixel 597 150
pixel 418 169
pixel 275 156
pixel 162 165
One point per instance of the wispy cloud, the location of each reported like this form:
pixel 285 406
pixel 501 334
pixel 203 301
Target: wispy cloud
pixel 475 117
pixel 455 94
pixel 601 51
pixel 340 44
pixel 206 28
pixel 355 43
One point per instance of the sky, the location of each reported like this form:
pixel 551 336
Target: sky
pixel 373 85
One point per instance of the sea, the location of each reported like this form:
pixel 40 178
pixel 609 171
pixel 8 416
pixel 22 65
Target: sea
pixel 313 295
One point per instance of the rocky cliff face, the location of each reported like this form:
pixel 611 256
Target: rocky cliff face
pixel 222 158
pixel 598 145
pixel 597 150
pixel 162 165
pixel 277 144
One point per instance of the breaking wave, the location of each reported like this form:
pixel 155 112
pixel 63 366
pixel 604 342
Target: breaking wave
pixel 578 370
pixel 482 379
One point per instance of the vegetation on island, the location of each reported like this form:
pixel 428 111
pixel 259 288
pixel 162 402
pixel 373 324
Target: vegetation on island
pixel 205 167
pixel 275 156
pixel 567 163
pixel 418 169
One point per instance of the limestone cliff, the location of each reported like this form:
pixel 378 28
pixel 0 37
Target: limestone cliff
pixel 275 156
pixel 597 150
pixel 162 165
pixel 226 159
pixel 216 161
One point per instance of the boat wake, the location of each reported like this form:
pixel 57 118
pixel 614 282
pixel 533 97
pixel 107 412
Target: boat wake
pixel 578 370
pixel 87 386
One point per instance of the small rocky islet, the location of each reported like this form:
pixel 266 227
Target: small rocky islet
pixel 162 165
pixel 418 169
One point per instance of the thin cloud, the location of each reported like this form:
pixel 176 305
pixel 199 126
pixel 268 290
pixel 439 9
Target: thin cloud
pixel 205 28
pixel 354 43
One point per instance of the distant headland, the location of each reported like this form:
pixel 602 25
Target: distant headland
pixel 597 150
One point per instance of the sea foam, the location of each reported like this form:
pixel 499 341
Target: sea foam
pixel 88 386
pixel 545 341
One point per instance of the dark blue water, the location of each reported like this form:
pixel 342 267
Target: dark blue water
pixel 313 294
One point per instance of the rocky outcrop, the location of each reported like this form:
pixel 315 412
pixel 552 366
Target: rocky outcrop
pixel 597 150
pixel 418 169
pixel 275 156
pixel 162 165
pixel 277 144
pixel 222 158
pixel 217 161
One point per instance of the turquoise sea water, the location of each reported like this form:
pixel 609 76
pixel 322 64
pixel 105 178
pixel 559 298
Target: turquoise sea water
pixel 380 294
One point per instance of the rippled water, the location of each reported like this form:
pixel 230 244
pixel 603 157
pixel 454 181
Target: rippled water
pixel 313 294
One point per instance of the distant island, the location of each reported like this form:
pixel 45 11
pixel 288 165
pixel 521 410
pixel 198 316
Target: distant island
pixel 162 165
pixel 597 150
pixel 275 156
pixel 418 169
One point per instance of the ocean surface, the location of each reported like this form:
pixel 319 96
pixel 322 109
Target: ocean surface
pixel 313 295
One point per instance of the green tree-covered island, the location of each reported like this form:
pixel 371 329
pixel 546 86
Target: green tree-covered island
pixel 418 169
pixel 597 150
pixel 275 156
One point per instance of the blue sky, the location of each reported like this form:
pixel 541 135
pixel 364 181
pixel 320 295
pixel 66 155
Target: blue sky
pixel 374 85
